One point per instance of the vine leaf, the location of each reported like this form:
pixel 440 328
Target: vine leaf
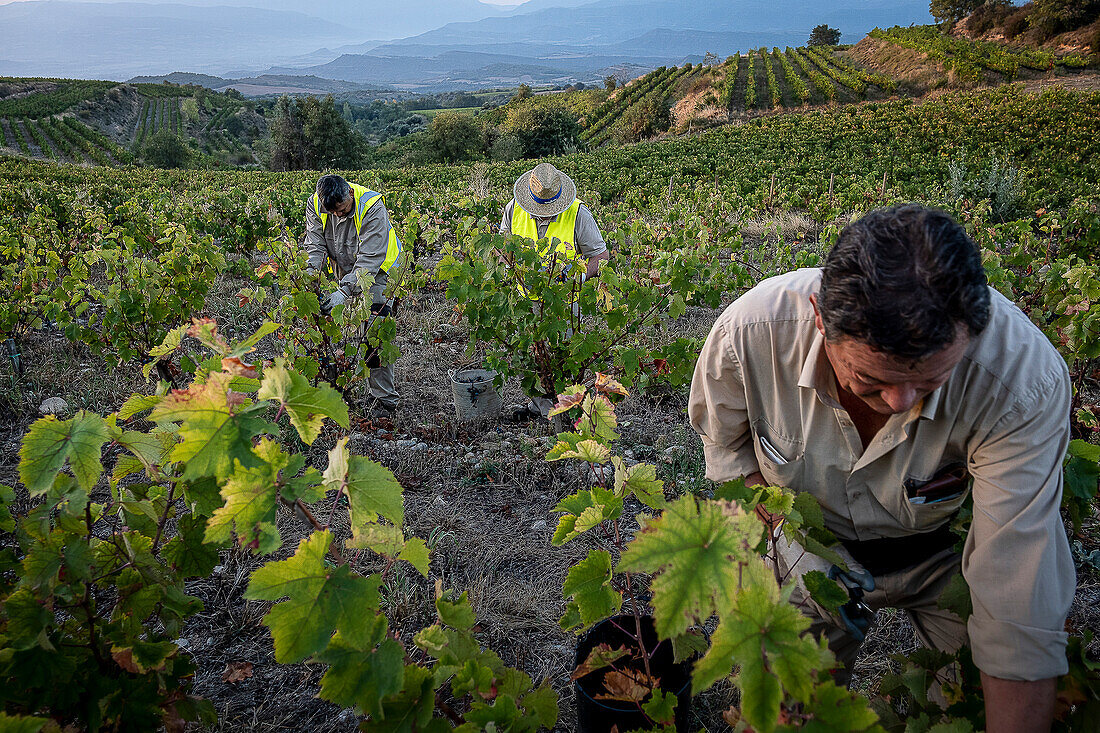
pixel 371 488
pixel 51 442
pixel 640 480
pixel 213 432
pixel 541 707
pixel 456 614
pixel 251 503
pixel 827 593
pixel 762 634
pixel 588 583
pixel 661 708
pixel 601 656
pixel 308 406
pixel 359 674
pixel 320 600
pixel 388 540
pixel 696 550
pixel 586 450
pixel 567 400
pixel 606 384
pixel 171 342
pixel 144 656
pixel 628 685
pixel 21 723
pixel 584 510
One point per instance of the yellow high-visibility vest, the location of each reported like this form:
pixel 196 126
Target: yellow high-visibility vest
pixel 561 235
pixel 364 199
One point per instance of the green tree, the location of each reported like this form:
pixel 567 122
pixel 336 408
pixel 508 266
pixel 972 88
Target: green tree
pixel 546 131
pixel 453 137
pixel 949 11
pixel 823 35
pixel 610 83
pixel 165 149
pixel 1056 16
pixel 643 120
pixel 286 146
pixel 524 92
pixel 190 110
pixel 330 141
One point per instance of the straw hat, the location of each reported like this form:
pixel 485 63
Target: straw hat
pixel 544 191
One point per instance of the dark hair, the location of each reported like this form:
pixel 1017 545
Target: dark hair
pixel 332 190
pixel 901 280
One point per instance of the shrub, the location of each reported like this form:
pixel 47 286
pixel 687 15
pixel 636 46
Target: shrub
pixel 1015 24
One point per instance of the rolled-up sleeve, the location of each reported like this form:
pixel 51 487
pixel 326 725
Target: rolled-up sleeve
pixel 1016 558
pixel 315 239
pixel 374 239
pixel 718 410
pixel 590 242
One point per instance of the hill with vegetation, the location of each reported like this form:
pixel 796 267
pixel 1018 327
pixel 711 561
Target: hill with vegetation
pixel 351 125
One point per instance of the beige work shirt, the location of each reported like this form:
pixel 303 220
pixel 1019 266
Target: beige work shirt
pixel 764 398
pixel 348 250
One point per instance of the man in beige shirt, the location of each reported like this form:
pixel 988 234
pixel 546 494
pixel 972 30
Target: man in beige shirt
pixel 867 381
pixel 348 225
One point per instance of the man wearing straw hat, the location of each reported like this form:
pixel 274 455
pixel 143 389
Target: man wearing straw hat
pixel 545 206
pixel 348 225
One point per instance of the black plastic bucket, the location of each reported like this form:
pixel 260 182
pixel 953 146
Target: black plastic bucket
pixel 599 716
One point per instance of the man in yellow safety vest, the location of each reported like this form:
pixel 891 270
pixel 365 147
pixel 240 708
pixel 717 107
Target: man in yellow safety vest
pixel 348 225
pixel 545 206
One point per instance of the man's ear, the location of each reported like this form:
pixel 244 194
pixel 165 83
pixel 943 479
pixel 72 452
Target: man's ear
pixel 817 315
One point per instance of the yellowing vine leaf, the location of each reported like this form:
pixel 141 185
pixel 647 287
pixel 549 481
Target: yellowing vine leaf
pixel 569 399
pixel 308 406
pixel 640 480
pixel 213 432
pixel 606 384
pixel 371 488
pixel 50 443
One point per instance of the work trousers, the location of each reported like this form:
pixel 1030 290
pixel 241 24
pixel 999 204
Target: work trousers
pixel 380 379
pixel 915 591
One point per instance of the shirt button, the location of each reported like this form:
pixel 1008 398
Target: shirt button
pixel 857 494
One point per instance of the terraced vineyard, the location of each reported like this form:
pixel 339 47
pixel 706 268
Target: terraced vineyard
pixel 970 60
pixel 63 139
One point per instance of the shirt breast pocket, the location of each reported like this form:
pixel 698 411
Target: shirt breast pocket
pixel 780 457
pixel 928 500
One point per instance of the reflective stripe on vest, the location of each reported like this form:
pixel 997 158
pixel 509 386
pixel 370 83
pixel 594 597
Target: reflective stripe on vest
pixel 365 199
pixel 563 230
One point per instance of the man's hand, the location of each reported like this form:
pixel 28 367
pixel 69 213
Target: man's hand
pixel 1015 706
pixel 333 300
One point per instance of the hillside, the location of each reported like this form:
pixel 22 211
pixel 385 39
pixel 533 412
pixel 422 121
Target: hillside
pixel 222 127
pixel 107 123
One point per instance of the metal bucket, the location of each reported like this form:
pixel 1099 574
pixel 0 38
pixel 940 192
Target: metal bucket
pixel 474 392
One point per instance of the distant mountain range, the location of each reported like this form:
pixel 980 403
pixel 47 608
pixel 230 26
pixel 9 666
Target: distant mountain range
pixel 425 45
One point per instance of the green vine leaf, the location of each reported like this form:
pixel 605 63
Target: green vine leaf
pixel 360 675
pixel 21 723
pixel 827 593
pixel 588 584
pixel 371 488
pixel 321 600
pixel 661 707
pixel 308 406
pixel 696 551
pixel 641 481
pixel 50 443
pixel 251 503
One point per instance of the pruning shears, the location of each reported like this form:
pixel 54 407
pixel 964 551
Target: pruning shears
pixel 855 614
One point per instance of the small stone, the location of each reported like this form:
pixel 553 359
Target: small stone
pixel 183 643
pixel 541 524
pixel 469 456
pixel 54 406
pixel 420 446
pixel 628 453
pixel 440 501
pixel 674 451
pixel 407 443
pixel 218 569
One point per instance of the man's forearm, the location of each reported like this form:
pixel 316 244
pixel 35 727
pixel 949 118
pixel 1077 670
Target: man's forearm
pixel 594 263
pixel 1015 706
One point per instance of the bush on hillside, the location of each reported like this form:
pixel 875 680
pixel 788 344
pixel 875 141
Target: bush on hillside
pixel 165 149
pixel 1055 16
pixel 453 137
pixel 1016 23
pixel 643 120
pixel 988 16
pixel 544 131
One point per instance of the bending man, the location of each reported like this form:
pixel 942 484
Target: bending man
pixel 348 225
pixel 891 384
